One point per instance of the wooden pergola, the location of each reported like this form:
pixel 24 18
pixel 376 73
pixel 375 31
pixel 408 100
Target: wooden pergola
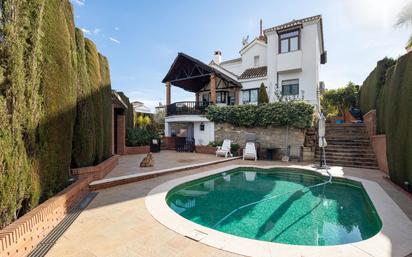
pixel 192 75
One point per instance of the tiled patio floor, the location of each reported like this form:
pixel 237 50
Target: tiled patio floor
pixel 117 222
pixel 129 164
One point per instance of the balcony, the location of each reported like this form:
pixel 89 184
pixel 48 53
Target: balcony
pixel 186 108
pixel 291 61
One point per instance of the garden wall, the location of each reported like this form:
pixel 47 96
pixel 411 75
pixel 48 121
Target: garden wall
pixel 270 137
pixel 22 236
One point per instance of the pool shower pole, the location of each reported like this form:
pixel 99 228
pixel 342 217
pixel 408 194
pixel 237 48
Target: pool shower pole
pixel 322 140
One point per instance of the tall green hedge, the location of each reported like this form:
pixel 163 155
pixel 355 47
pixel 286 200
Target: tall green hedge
pixel 388 89
pixel 130 117
pixel 84 142
pixel 395 115
pixel 59 95
pixel 106 95
pixel 53 85
pixel 296 114
pixel 372 85
pixel 93 70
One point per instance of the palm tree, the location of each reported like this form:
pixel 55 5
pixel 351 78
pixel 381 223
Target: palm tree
pixel 405 19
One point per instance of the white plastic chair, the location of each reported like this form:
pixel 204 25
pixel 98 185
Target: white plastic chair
pixel 250 151
pixel 224 150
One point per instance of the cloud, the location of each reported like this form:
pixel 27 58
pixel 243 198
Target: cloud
pixel 85 31
pixel 114 40
pixel 116 28
pixel 96 31
pixel 78 2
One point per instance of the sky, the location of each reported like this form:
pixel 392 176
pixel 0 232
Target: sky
pixel 142 38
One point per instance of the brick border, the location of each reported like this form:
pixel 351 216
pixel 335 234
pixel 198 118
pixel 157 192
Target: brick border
pixel 136 150
pixel 23 235
pixel 121 180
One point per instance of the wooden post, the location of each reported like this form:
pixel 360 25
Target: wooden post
pixel 197 97
pixel 213 88
pixel 237 96
pixel 168 96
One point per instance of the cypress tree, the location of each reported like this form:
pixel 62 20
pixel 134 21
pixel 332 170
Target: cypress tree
pixel 263 95
pixel 106 92
pixel 93 70
pixel 84 141
pixel 59 95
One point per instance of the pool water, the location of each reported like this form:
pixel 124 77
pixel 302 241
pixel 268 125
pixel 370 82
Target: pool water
pixel 275 205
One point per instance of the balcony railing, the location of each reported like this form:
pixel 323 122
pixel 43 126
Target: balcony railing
pixel 186 108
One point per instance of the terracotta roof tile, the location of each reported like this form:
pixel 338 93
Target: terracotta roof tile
pixel 254 73
pixel 293 23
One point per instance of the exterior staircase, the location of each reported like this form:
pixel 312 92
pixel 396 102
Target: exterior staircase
pixel 348 145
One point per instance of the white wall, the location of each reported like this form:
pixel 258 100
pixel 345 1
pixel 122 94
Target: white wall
pixel 309 54
pixel 255 49
pixel 206 136
pixel 234 67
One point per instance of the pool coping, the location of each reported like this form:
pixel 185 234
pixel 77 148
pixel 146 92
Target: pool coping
pixel 394 239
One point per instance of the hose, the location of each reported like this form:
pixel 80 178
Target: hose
pixel 275 196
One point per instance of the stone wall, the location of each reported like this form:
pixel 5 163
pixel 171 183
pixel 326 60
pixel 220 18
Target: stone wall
pixel 270 137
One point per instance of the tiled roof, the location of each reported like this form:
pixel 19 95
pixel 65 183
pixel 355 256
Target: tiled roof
pixel 293 23
pixel 254 73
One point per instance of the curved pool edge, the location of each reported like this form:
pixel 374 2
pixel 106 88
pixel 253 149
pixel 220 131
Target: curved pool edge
pixel 394 239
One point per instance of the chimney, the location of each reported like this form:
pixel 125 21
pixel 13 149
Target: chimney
pixel 217 57
pixel 261 29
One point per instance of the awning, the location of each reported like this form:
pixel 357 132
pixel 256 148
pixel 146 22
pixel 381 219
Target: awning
pixel 192 75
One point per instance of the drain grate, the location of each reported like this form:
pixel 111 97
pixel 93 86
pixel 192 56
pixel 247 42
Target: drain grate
pixel 47 243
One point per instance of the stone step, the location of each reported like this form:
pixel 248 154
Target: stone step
pixel 356 149
pixel 347 137
pixel 348 154
pixel 348 159
pixel 355 165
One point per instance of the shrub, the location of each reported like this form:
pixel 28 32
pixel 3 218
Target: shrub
pixel 296 114
pixel 140 136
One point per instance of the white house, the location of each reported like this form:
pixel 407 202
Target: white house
pixel 285 58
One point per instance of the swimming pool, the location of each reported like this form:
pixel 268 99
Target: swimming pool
pixel 280 205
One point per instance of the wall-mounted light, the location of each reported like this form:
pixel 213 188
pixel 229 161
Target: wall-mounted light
pixel 202 126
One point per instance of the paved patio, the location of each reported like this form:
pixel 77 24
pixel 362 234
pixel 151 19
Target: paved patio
pixel 129 164
pixel 117 222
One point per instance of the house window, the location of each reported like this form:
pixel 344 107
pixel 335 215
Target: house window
pixel 256 60
pixel 250 95
pixel 289 41
pixel 290 87
pixel 221 97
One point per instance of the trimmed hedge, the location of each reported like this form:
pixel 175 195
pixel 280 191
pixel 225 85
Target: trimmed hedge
pixel 395 115
pixel 58 82
pixel 129 113
pixel 372 85
pixel 84 142
pixel 47 103
pixel 389 89
pixel 296 114
pixel 93 71
pixel 106 98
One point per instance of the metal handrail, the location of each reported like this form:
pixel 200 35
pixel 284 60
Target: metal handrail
pixel 186 108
